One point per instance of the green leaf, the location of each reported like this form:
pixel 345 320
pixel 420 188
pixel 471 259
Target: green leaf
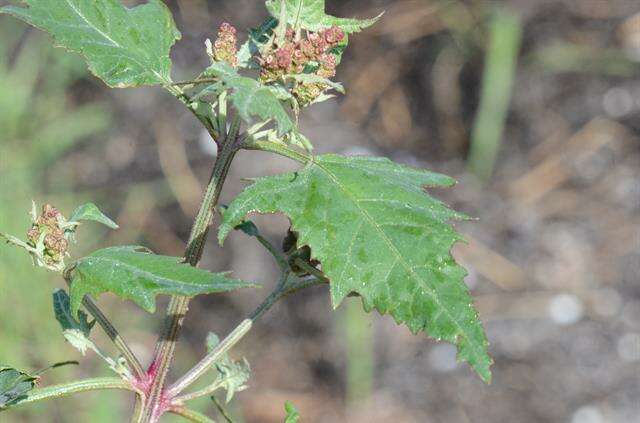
pixel 251 98
pixel 310 15
pixel 232 375
pixel 257 37
pixel 91 212
pixel 62 311
pixel 123 47
pixel 139 276
pixel 310 78
pixel 377 233
pixel 293 415
pixel 14 385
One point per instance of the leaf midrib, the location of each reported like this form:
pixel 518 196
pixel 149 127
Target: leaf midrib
pixel 114 42
pixel 143 272
pixel 398 254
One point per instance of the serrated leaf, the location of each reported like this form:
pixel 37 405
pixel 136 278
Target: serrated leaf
pixel 62 311
pixel 125 47
pixel 14 385
pixel 139 276
pixel 91 212
pixel 250 98
pixel 293 415
pixel 310 15
pixel 377 233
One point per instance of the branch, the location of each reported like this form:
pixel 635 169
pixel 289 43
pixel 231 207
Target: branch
pixel 64 389
pixel 283 289
pixel 191 415
pixel 115 337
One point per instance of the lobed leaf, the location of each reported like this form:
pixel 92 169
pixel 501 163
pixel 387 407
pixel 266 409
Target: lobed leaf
pixel 139 276
pixel 310 15
pixel 91 212
pixel 377 233
pixel 125 47
pixel 251 98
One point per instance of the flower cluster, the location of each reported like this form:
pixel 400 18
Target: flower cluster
pixel 225 47
pixel 47 231
pixel 310 54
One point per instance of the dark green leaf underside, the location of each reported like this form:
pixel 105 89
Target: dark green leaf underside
pixel 377 233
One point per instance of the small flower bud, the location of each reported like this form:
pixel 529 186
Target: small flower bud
pixel 225 47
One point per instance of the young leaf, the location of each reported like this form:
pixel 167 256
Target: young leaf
pixel 310 15
pixel 293 415
pixel 232 375
pixel 257 37
pixel 62 310
pixel 14 385
pixel 377 233
pixel 123 47
pixel 251 98
pixel 91 212
pixel 139 276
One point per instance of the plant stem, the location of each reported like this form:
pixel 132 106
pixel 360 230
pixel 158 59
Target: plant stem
pixel 283 289
pixel 109 329
pixel 223 411
pixel 64 389
pixel 203 366
pixel 191 415
pixel 197 394
pixel 280 149
pixel 115 336
pixel 179 305
pixel 277 255
pixel 311 270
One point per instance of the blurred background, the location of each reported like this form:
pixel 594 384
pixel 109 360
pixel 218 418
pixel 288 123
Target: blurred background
pixel 534 106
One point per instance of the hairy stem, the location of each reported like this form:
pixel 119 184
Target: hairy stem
pixel 64 389
pixel 179 305
pixel 197 394
pixel 283 289
pixel 110 330
pixel 191 415
pixel 278 148
pixel 115 337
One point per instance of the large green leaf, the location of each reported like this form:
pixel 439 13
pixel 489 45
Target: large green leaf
pixel 123 47
pixel 251 98
pixel 132 273
pixel 310 14
pixel 377 233
pixel 14 385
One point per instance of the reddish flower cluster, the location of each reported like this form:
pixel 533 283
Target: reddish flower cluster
pixel 293 56
pixel 55 243
pixel 225 48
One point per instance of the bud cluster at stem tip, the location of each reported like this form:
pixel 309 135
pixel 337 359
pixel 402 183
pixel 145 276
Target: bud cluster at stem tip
pixel 302 54
pixel 224 49
pixel 47 230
